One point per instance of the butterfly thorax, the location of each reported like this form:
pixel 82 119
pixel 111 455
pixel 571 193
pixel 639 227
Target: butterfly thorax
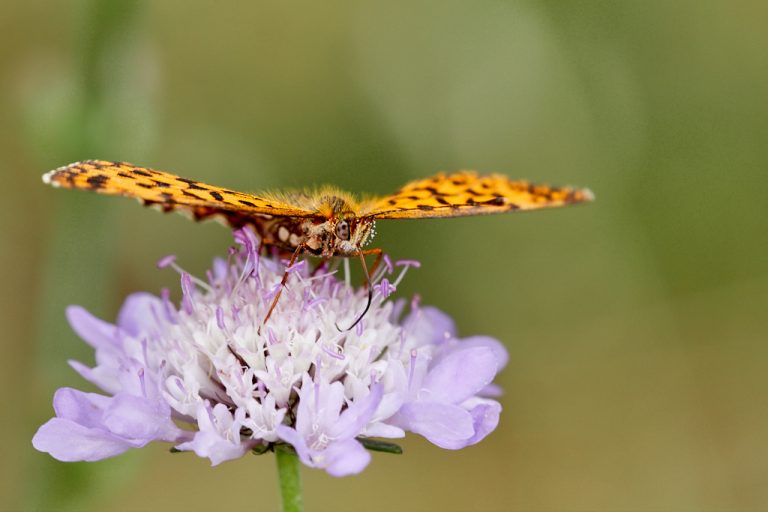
pixel 335 231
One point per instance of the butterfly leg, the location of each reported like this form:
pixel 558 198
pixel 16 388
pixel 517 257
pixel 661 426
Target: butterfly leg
pixel 284 280
pixel 379 252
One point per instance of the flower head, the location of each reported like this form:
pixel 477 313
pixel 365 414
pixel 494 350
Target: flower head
pixel 237 385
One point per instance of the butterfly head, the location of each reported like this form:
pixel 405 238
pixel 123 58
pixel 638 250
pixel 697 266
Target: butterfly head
pixel 348 235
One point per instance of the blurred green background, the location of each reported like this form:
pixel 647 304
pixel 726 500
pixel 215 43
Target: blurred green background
pixel 636 325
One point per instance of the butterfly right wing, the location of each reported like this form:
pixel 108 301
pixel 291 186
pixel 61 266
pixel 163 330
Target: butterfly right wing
pixel 468 193
pixel 170 192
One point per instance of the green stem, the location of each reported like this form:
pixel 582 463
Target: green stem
pixel 290 478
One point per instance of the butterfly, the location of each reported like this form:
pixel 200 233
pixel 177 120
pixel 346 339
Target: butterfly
pixel 325 222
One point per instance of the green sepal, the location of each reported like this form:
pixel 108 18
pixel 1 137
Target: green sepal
pixel 380 446
pixel 261 449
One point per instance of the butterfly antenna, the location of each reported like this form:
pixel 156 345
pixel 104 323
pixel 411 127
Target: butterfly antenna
pixel 370 291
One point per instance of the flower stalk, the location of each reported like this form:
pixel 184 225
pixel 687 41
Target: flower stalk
pixel 289 476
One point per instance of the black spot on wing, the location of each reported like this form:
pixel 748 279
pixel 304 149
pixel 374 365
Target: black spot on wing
pixel 141 172
pixel 192 184
pixel 425 207
pixel 97 181
pixel 246 203
pixel 496 201
pixel 126 175
pixel 161 184
pixel 216 195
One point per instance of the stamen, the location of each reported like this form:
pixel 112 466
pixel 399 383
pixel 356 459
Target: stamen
pixel 336 354
pixel 140 373
pixel 388 263
pixel 186 293
pixel 262 391
pixel 385 288
pixel 412 368
pixel 170 261
pixel 407 263
pixel 220 318
pixel 271 337
pixel 296 267
pixel 166 261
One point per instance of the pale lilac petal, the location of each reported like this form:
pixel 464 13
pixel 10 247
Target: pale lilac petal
pixel 459 375
pixel 499 350
pixel 485 417
pixel 97 333
pixel 491 391
pixel 102 376
pixel 345 458
pixel 79 407
pixel 331 402
pixel 357 415
pixel 292 437
pixel 218 438
pixel 137 418
pixel 137 316
pixel 383 430
pixel 68 441
pixel 304 412
pixel 442 424
pixel 430 326
pixel 214 447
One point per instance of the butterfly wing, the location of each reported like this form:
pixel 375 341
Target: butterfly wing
pixel 170 192
pixel 467 193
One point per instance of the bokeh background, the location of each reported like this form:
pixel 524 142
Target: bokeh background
pixel 636 325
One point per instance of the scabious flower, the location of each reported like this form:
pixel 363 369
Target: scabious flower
pixel 207 376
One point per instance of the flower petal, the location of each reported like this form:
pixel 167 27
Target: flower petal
pixel 79 407
pixel 292 437
pixel 485 417
pixel 136 418
pixel 102 376
pixel 68 441
pixel 136 316
pixel 459 374
pixel 94 331
pixel 344 458
pixel 442 424
pixel 499 350
pixel 352 421
pixel 430 326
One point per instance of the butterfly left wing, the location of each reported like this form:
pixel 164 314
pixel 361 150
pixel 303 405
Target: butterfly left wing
pixel 170 192
pixel 467 193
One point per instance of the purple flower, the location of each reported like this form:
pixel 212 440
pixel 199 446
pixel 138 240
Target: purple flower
pixel 210 366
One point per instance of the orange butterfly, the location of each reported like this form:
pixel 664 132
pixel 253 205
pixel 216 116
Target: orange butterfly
pixel 326 222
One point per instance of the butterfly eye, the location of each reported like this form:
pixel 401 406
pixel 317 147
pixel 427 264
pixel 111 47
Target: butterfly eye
pixel 342 230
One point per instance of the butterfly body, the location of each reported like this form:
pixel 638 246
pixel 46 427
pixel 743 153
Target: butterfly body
pixel 320 236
